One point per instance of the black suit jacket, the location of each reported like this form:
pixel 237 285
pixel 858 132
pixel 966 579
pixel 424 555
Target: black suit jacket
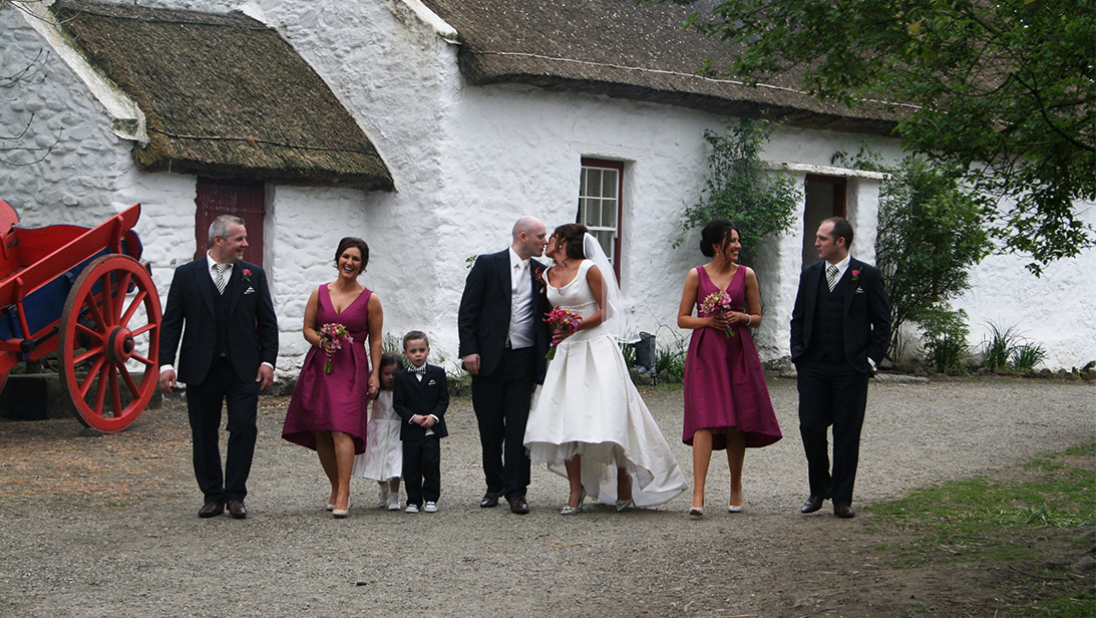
pixel 483 320
pixel 411 396
pixel 866 318
pixel 252 328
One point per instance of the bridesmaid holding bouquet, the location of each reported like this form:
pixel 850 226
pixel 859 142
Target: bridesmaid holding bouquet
pixel 329 409
pixel 727 403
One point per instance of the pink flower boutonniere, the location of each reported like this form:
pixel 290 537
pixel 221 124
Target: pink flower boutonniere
pixel 247 274
pixel 856 275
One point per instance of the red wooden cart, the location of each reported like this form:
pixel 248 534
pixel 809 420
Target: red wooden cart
pixel 82 293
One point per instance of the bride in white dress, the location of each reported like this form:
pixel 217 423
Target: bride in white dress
pixel 587 421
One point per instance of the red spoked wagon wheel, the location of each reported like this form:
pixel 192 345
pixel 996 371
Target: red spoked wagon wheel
pixel 109 331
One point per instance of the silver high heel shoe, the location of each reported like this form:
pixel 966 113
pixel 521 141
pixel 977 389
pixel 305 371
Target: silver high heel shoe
pixel 574 510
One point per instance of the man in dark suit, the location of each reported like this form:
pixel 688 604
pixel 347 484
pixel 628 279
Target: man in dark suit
pixel 420 395
pixel 230 344
pixel 503 340
pixel 839 332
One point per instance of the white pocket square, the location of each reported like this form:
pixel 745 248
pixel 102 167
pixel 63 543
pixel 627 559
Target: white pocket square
pixel 859 290
pixel 431 383
pixel 249 291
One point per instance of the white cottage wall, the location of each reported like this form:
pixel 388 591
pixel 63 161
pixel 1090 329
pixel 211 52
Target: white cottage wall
pixel 62 163
pixel 1056 310
pixel 70 167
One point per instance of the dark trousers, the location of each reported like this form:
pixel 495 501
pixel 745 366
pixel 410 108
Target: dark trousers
pixel 501 401
pixel 831 393
pixel 203 402
pixel 422 470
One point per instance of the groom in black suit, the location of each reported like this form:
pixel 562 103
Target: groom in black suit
pixel 230 345
pixel 839 332
pixel 503 340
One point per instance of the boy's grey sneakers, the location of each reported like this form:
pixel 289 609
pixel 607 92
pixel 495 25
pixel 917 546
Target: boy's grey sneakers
pixel 431 507
pixel 411 508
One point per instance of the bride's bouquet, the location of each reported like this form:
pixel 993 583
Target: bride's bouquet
pixel 337 335
pixel 561 319
pixel 718 303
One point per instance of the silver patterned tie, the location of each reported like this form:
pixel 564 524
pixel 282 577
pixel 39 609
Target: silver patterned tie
pixel 220 281
pixel 831 276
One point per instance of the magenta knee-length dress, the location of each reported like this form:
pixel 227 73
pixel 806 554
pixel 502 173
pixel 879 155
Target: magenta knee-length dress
pixel 335 401
pixel 724 381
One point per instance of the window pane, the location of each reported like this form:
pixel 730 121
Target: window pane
pixel 608 213
pixel 609 183
pixel 593 183
pixel 582 182
pixel 606 240
pixel 593 212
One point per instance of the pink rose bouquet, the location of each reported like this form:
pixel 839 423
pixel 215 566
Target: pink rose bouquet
pixel 561 319
pixel 718 303
pixel 337 335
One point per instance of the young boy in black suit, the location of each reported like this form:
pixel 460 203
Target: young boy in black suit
pixel 420 396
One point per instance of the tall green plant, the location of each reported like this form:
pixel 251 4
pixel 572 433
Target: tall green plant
pixel 761 202
pixel 932 231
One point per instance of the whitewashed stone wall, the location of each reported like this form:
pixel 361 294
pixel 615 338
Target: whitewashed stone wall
pixel 1056 310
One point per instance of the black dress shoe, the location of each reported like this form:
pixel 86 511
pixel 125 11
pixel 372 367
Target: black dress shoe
pixel 519 505
pixel 843 511
pixel 211 509
pixel 490 499
pixel 814 503
pixel 237 509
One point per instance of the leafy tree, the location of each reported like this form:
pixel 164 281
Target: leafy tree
pixel 760 202
pixel 1003 90
pixel 931 232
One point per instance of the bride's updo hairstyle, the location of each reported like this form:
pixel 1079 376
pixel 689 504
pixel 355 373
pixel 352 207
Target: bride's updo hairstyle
pixel 573 234
pixel 718 232
pixel 348 242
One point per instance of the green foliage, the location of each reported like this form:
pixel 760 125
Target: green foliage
pixel 1000 346
pixel 931 232
pixel 671 359
pixel 1026 356
pixel 1003 91
pixel 945 338
pixel 1008 349
pixel 759 201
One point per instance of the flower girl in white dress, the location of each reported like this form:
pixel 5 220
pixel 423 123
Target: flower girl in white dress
pixel 587 420
pixel 382 460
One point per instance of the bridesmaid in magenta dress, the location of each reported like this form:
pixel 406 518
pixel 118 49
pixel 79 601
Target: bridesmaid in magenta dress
pixel 727 403
pixel 329 411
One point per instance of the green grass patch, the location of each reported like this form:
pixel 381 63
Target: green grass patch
pixel 990 519
pixel 978 518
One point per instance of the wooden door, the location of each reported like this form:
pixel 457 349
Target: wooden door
pixel 216 198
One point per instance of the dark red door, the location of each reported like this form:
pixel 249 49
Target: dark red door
pixel 216 198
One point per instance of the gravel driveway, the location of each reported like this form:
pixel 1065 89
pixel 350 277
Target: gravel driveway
pixel 108 527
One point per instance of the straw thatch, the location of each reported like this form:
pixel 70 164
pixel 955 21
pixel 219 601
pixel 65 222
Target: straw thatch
pixel 224 96
pixel 615 48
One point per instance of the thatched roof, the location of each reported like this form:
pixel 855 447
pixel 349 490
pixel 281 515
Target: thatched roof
pixel 615 48
pixel 223 96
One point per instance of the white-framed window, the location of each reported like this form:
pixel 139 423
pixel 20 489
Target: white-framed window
pixel 599 204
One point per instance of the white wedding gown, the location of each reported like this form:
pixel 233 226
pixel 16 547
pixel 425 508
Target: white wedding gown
pixel 589 406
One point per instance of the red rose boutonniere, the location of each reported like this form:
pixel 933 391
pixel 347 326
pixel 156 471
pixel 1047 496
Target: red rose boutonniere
pixel 538 274
pixel 856 275
pixel 247 274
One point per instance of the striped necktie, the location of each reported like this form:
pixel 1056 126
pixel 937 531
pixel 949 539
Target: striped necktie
pixel 831 276
pixel 220 281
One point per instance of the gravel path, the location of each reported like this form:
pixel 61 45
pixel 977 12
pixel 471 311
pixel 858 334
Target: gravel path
pixel 98 527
